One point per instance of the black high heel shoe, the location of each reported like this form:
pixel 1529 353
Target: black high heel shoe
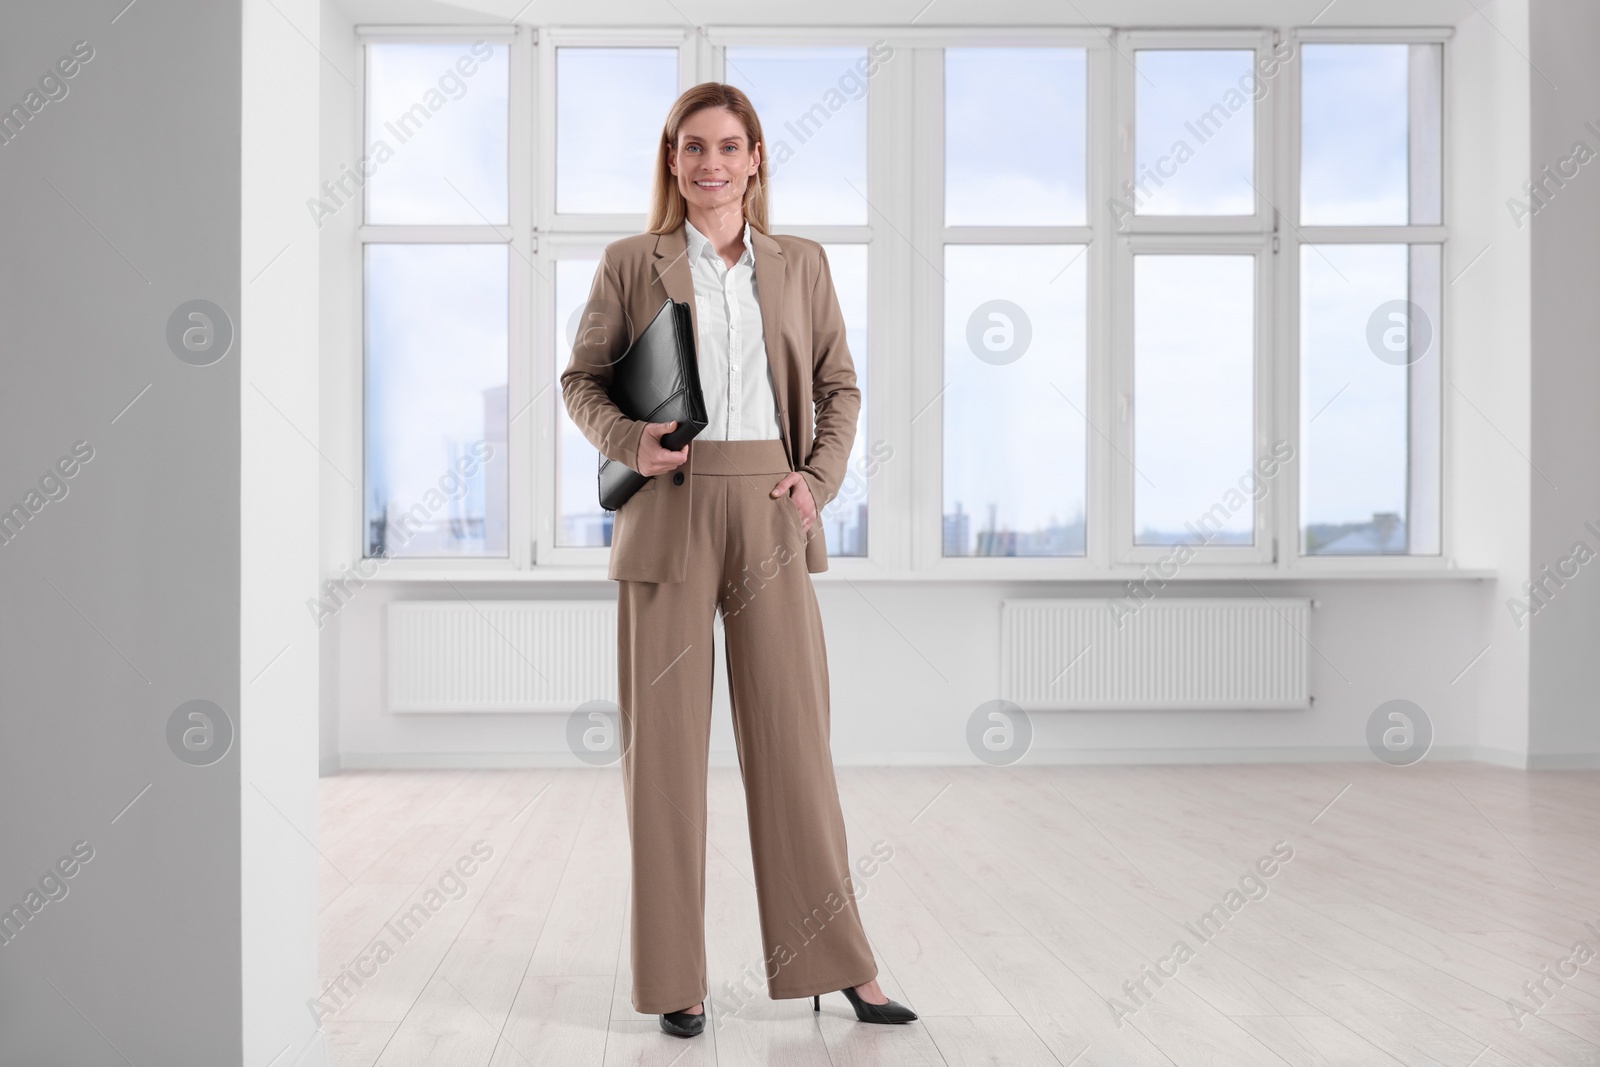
pixel 684 1023
pixel 891 1011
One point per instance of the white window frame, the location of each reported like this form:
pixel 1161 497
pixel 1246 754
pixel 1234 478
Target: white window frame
pixel 890 519
pixel 1296 235
pixel 905 237
pixel 557 237
pixel 925 332
pixel 1261 42
pixel 1196 235
pixel 517 236
pixel 1124 485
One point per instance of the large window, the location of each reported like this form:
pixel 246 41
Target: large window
pixel 1190 269
pixel 1113 300
pixel 1371 288
pixel 1015 309
pixel 608 105
pixel 813 104
pixel 437 304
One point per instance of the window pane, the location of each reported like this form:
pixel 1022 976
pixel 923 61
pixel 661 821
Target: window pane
pixel 436 134
pixel 812 103
pixel 1014 399
pixel 610 104
pixel 436 398
pixel 1369 143
pixel 844 520
pixel 1369 399
pixel 1194 139
pixel 580 520
pixel 988 185
pixel 1194 399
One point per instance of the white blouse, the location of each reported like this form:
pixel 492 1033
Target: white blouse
pixel 734 376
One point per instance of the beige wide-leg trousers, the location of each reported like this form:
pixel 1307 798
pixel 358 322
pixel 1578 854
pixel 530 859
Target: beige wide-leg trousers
pixel 746 560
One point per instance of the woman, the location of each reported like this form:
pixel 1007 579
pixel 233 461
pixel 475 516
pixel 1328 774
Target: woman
pixel 722 525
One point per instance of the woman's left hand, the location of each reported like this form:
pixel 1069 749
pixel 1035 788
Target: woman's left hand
pixel 794 487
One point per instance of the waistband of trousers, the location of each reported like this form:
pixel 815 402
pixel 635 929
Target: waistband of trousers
pixel 737 457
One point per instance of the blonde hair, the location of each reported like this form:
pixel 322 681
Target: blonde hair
pixel 668 209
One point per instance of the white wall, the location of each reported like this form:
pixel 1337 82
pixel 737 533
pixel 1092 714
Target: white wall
pixel 1565 240
pixel 340 379
pixel 280 470
pixel 908 670
pixel 174 566
pixel 120 597
pixel 1487 384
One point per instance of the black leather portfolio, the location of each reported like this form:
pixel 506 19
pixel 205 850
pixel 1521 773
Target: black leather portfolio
pixel 657 380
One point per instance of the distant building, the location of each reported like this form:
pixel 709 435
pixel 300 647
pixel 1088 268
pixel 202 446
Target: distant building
pixel 1384 535
pixel 1056 538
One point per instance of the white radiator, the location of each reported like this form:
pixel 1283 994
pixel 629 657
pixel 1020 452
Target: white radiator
pixel 500 655
pixel 1221 653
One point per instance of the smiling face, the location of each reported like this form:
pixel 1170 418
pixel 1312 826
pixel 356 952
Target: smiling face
pixel 713 162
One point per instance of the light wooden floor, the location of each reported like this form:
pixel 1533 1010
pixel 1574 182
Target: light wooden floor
pixel 1016 905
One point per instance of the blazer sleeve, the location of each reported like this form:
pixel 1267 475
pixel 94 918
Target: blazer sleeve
pixel 835 396
pixel 602 338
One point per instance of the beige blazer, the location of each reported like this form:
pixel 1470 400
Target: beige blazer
pixel 806 351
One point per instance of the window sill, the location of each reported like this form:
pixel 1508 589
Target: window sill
pixel 987 571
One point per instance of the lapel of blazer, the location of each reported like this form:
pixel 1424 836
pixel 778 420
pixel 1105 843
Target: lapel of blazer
pixel 672 267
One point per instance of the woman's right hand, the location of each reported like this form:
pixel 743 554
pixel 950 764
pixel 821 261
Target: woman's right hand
pixel 652 458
